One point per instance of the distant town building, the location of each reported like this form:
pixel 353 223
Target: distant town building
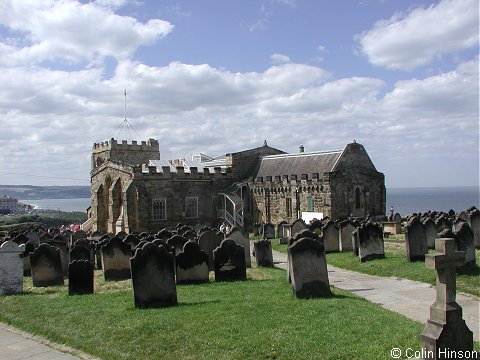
pixel 8 204
pixel 132 189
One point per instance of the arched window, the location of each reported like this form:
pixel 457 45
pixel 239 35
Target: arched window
pixel 357 198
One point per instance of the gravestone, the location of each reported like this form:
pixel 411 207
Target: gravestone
pixel 34 238
pixel 308 265
pixel 305 233
pixel 121 235
pixel 370 241
pixel 430 232
pixel 192 264
pixel 11 268
pixel 345 235
pixel 132 241
pixel 80 277
pixel 298 225
pixel 464 242
pixel 443 223
pixel 330 237
pixel 209 241
pixel 164 234
pixel 78 235
pixel 46 266
pixel 280 229
pixel 79 252
pixel 397 218
pixel 239 237
pixel 20 239
pixel 89 244
pixel 190 235
pixel 153 277
pixel 263 253
pixel 229 261
pixel 473 220
pixel 116 260
pixel 177 242
pixel 27 269
pixel 445 330
pixel 268 231
pixel 415 240
pixel 316 226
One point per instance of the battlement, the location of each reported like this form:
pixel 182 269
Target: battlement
pixel 287 179
pixel 178 173
pixel 113 144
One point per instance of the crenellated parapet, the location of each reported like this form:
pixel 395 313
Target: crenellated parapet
pixel 149 145
pixel 179 173
pixel 310 183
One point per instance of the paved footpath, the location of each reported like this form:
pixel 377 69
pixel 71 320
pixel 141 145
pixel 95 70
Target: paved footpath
pixel 407 297
pixel 15 344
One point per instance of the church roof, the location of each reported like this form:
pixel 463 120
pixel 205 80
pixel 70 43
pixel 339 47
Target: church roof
pixel 297 164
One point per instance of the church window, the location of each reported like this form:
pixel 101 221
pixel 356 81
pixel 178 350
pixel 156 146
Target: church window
pixel 357 198
pixel 309 203
pixel 288 207
pixel 191 207
pixel 159 209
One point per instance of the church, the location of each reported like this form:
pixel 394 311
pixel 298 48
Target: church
pixel 133 189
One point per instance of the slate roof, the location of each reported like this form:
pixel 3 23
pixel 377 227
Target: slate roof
pixel 297 164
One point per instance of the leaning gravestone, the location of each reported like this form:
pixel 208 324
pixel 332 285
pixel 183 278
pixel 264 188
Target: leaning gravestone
pixel 11 268
pixel 269 231
pixel 263 253
pixel 80 277
pixel 446 330
pixel 209 241
pixel 116 260
pixel 309 274
pixel 330 237
pixel 415 240
pixel 46 266
pixel 229 261
pixel 298 225
pixel 191 264
pixel 370 241
pixel 345 235
pixel 153 277
pixel 465 243
pixel 238 236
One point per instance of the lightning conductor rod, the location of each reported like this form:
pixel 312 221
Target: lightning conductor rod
pixel 125 110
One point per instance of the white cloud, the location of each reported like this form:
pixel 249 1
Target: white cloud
pixel 419 37
pixel 73 32
pixel 279 59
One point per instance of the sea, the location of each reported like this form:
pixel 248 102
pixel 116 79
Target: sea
pixel 404 200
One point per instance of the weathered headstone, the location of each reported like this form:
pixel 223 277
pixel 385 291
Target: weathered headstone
pixel 209 241
pixel 415 240
pixel 153 277
pixel 11 268
pixel 121 235
pixel 397 218
pixel 78 235
pixel 229 261
pixel 309 269
pixel 80 277
pixel 27 269
pixel 239 237
pixel 61 244
pixel 298 225
pixel 464 241
pixel 177 242
pixel 473 220
pixel 345 235
pixel 132 240
pixel 116 260
pixel 191 264
pixel 430 232
pixel 79 252
pixel 280 229
pixel 330 237
pixel 34 238
pixel 269 231
pixel 263 253
pixel 445 330
pixel 190 235
pixel 370 241
pixel 46 266
pixel 443 223
pixel 164 234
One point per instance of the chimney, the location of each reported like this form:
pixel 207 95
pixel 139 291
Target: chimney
pixel 302 149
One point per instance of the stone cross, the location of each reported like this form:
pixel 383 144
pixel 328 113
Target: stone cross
pixel 445 330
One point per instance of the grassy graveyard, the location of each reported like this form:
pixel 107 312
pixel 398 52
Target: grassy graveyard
pixel 396 264
pixel 254 319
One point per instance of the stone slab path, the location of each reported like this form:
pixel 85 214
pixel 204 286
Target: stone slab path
pixel 407 297
pixel 16 345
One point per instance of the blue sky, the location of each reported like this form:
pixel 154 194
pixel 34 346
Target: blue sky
pixel 215 76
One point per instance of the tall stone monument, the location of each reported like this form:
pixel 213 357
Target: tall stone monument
pixel 446 331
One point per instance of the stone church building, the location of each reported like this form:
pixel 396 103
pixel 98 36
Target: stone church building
pixel 132 189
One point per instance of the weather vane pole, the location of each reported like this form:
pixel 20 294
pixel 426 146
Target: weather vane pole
pixel 125 111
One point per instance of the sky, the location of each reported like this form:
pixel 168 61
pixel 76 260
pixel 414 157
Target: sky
pixel 400 77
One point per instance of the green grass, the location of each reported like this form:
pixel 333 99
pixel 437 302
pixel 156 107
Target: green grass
pixel 396 264
pixel 254 319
